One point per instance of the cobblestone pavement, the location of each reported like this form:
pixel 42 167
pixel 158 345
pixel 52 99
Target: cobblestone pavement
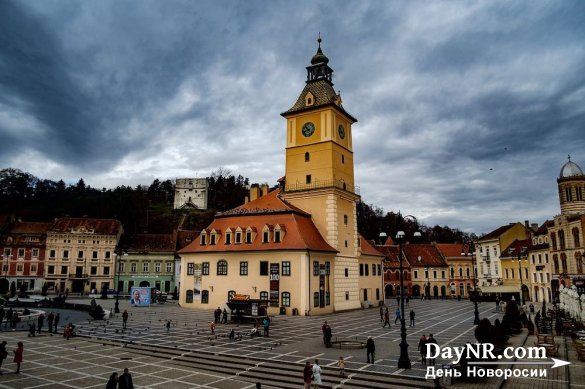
pixel 87 361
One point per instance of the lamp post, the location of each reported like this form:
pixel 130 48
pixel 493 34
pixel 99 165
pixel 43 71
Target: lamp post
pixel 404 360
pixel 118 253
pixel 471 250
pixel 521 253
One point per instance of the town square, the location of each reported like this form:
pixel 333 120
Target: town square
pixel 343 194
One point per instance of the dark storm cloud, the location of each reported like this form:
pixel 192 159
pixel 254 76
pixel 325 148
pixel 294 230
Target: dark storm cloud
pixel 466 110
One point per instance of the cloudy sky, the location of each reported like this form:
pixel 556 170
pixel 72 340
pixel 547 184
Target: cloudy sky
pixel 467 110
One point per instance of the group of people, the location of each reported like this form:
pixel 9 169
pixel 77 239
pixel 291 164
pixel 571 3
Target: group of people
pixel 220 316
pixel 422 347
pixel 124 381
pixel 385 316
pixel 18 355
pixel 11 317
pixel 312 374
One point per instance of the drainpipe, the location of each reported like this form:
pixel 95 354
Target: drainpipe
pixel 308 311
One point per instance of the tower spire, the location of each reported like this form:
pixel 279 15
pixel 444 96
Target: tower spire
pixel 319 40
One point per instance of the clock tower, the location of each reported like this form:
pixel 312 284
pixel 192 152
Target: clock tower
pixel 319 169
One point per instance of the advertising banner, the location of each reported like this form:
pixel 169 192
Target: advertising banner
pixel 197 285
pixel 274 284
pixel 140 297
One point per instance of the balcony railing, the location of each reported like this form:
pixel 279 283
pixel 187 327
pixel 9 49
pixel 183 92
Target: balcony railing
pixel 78 276
pixel 323 184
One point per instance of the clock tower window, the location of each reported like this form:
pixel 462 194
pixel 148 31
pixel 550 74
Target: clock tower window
pixel 308 179
pixel 307 157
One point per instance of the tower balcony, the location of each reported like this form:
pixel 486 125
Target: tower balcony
pixel 323 184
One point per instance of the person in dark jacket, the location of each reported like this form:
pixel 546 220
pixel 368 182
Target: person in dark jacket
pixel 125 380
pixel 18 353
pixel 307 375
pixel 422 347
pixel 3 354
pixel 370 350
pixel 431 340
pixel 50 320
pixel 412 314
pixel 57 317
pixel 113 381
pixel 40 322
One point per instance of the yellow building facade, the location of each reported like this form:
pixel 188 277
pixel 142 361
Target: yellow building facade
pixel 298 246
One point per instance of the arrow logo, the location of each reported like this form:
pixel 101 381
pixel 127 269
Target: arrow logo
pixel 555 363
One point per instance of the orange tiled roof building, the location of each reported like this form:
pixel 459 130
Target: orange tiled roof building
pixel 295 249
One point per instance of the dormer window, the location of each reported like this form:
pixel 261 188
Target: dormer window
pixel 228 238
pixel 248 236
pixel 279 232
pixel 266 237
pixel 309 99
pixel 238 238
pixel 203 238
pixel 212 239
pixel 277 236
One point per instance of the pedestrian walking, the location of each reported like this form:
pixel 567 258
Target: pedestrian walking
pixel 323 328
pixel 341 366
pixel 50 320
pixel 168 325
pixel 40 322
pixel 217 315
pixel 18 356
pixel 211 327
pixel 9 315
pixel 429 341
pixel 124 318
pixel 497 304
pixel 397 313
pixel 381 314
pixel 370 350
pixel 224 316
pixel 57 317
pixel 125 380
pixel 307 375
pixel 412 314
pixel 113 381
pixel 316 374
pixel 3 354
pixel 386 319
pixel 266 325
pixel 328 335
pixel 422 347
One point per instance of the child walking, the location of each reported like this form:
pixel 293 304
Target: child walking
pixel 341 366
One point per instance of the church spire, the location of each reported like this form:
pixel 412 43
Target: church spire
pixel 319 70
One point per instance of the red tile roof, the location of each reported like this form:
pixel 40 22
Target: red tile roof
pixel 99 226
pixel 497 232
pixel 454 250
pixel 298 232
pixel 149 243
pixel 368 249
pixel 29 228
pixel 428 253
pixel 515 248
pixel 185 237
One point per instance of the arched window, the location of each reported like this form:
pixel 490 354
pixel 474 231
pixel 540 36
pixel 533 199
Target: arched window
pixel 316 299
pixel 562 240
pixel 468 272
pixel 222 268
pixel 556 264
pixel 204 297
pixel 307 157
pixel 576 240
pixel 553 238
pixel 231 295
pixel 460 272
pixel 564 262
pixel 263 295
pixel 189 298
pixel 285 299
pixel 579 262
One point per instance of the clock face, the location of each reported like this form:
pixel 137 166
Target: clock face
pixel 308 129
pixel 341 131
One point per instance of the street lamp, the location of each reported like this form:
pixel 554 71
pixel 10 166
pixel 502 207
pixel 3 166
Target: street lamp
pixel 404 360
pixel 471 250
pixel 118 253
pixel 521 253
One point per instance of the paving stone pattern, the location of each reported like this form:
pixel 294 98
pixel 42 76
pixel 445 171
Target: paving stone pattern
pixel 189 356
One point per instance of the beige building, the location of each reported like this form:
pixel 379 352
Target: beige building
pixel 488 251
pixel 540 265
pixel 296 248
pixel 80 254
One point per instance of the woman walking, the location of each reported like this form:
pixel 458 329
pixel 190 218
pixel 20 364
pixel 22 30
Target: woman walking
pixel 316 375
pixel 113 382
pixel 18 353
pixel 307 374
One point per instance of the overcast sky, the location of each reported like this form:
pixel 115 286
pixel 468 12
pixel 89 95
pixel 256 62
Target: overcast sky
pixel 467 110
